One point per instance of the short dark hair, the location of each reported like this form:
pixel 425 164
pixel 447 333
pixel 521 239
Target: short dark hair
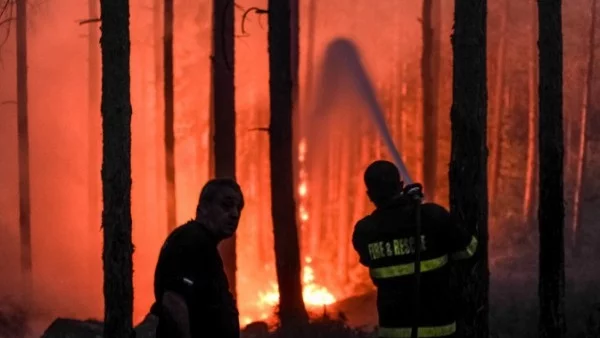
pixel 383 181
pixel 213 187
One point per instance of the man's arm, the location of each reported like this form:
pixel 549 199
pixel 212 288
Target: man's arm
pixel 460 244
pixel 176 314
pixel 180 278
pixel 358 242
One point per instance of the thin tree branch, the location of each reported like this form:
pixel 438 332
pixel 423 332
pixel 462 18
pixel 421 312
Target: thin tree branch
pixel 256 10
pixel 7 20
pixel 4 8
pixel 86 21
pixel 259 129
pixel 8 5
pixel 8 102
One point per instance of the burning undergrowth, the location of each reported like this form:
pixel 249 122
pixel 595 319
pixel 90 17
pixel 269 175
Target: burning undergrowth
pixel 324 326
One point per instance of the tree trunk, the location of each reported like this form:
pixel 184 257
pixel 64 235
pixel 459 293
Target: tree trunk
pixel 314 228
pixel 295 64
pixel 116 170
pixel 583 135
pixel 551 211
pixel 93 118
pixel 94 135
pixel 343 221
pixel 223 112
pixel 468 162
pixel 169 115
pixel 310 46
pixel 159 101
pixel 285 230
pixel 402 111
pixel 504 111
pixel 430 70
pixel 530 174
pixel 23 139
pixel 496 126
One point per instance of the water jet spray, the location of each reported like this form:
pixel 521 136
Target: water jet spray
pixel 342 68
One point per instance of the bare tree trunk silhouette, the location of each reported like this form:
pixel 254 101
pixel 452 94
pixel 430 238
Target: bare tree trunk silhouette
pixel 285 230
pixel 116 169
pixel 169 115
pixel 468 162
pixel 23 139
pixel 551 211
pixel 223 112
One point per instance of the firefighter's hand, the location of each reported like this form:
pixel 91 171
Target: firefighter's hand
pixel 414 192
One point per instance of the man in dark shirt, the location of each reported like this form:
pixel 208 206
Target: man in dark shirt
pixel 385 242
pixel 190 286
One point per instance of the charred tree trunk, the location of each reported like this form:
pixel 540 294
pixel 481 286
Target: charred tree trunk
pixel 223 111
pixel 468 162
pixel 116 170
pixel 295 64
pixel 496 128
pixel 297 120
pixel 314 201
pixel 551 212
pixel 93 118
pixel 285 230
pixel 430 70
pixel 584 135
pixel 169 114
pixel 310 46
pixel 23 139
pixel 530 175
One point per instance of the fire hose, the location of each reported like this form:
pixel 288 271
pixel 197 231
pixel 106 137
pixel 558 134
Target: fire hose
pixel 414 192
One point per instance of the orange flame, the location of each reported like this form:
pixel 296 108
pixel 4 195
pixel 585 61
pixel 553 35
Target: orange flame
pixel 314 295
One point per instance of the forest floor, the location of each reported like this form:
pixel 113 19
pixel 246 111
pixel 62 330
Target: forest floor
pixel 513 308
pixel 513 313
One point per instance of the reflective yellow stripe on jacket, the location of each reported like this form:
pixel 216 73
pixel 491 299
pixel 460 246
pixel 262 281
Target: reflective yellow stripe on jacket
pixel 409 268
pixel 423 332
pixel 468 252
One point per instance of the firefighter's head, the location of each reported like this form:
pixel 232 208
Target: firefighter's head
pixel 383 182
pixel 220 206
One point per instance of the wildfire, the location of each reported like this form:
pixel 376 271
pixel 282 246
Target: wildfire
pixel 314 295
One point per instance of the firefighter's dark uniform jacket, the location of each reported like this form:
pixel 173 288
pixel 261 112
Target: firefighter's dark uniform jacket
pixel 190 265
pixel 385 242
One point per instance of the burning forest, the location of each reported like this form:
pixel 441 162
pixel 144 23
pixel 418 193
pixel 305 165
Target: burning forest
pixel 476 123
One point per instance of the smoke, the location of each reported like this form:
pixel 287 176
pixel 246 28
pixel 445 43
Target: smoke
pixel 66 280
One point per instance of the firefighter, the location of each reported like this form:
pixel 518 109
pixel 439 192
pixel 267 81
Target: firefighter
pixel 192 296
pixel 385 242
